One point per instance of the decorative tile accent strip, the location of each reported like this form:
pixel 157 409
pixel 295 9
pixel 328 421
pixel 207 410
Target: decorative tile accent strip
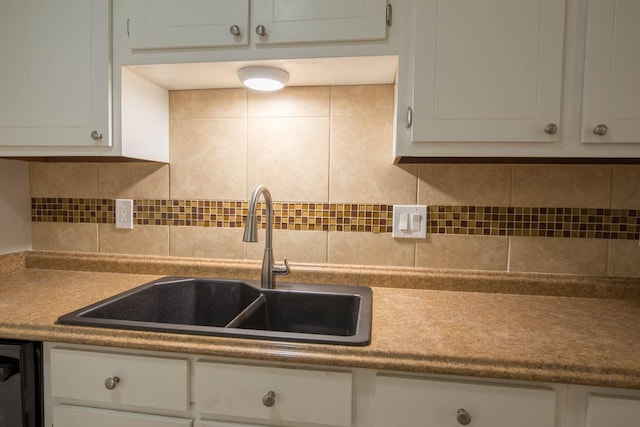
pixel 541 222
pixel 376 218
pixel 90 211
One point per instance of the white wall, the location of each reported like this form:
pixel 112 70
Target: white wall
pixel 15 206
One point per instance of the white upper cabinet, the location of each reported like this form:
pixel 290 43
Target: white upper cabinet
pixel 488 70
pixel 298 21
pixel 194 31
pixel 173 24
pixel 611 109
pixel 54 78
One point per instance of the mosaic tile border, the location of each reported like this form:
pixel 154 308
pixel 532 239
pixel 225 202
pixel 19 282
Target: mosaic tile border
pixel 354 217
pixel 374 218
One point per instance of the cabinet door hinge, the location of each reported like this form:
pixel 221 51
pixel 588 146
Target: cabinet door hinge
pixel 128 26
pixel 409 117
pixel 389 15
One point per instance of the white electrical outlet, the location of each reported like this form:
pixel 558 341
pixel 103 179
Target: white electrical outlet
pixel 409 222
pixel 124 213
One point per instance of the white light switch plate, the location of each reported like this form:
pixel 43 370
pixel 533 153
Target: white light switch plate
pixel 421 233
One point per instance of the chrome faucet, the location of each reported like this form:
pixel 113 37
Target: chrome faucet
pixel 269 270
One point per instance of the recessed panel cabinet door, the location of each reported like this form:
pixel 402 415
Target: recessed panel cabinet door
pixel 611 103
pixel 172 24
pixel 54 77
pixel 295 21
pixel 409 402
pixel 488 70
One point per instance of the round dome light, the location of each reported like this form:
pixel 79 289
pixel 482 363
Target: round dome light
pixel 263 78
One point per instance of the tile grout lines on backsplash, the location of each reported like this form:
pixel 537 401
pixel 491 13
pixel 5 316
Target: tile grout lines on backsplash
pixel 599 223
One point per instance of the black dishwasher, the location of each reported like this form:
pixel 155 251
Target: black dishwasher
pixel 20 384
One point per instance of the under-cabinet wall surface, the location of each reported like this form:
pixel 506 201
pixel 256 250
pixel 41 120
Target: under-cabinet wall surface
pixel 323 152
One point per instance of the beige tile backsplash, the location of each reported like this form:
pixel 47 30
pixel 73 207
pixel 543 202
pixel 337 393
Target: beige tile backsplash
pixel 290 156
pixel 331 145
pixel 474 185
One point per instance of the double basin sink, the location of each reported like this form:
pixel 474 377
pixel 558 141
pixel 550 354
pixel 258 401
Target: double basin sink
pixel 329 314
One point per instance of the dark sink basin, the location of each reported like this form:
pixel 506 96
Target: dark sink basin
pixel 303 312
pixel 293 312
pixel 181 302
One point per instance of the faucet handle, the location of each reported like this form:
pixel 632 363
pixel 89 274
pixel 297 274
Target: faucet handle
pixel 282 270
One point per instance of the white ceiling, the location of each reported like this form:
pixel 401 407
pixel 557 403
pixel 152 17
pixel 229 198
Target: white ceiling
pixel 303 72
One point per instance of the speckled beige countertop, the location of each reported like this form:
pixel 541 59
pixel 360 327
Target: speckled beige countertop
pixel 491 330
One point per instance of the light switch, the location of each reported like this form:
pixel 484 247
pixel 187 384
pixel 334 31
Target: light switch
pixel 416 218
pixel 409 222
pixel 403 225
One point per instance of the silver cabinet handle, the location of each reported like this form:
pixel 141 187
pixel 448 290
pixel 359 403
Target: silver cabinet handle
pixel 261 30
pixel 600 130
pixel 269 399
pixel 235 30
pixel 463 417
pixel 111 383
pixel 551 129
pixel 96 136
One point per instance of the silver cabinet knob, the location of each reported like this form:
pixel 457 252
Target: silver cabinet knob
pixel 261 30
pixel 111 383
pixel 96 136
pixel 551 129
pixel 269 399
pixel 600 130
pixel 235 30
pixel 463 417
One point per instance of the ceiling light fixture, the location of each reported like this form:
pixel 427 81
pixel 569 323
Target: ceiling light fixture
pixel 263 78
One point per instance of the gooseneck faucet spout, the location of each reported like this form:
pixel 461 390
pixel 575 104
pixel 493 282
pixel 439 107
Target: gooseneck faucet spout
pixel 269 270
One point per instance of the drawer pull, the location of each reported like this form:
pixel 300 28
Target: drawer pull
pixel 463 417
pixel 551 129
pixel 269 399
pixel 111 383
pixel 600 130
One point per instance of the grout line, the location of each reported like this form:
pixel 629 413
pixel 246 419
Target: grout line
pixel 331 90
pixel 246 160
pixel 510 239
pixel 608 254
pixel 509 254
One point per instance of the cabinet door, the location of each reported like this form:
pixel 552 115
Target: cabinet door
pixel 405 402
pixel 54 78
pixel 295 21
pixel 612 411
pixel 612 72
pixel 169 24
pixel 487 70
pixel 73 416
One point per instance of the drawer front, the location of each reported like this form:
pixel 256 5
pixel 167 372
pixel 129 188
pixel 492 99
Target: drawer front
pixel 606 411
pixel 405 402
pixel 304 396
pixel 151 382
pixel 72 416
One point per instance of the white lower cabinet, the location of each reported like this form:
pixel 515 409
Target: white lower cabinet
pixel 273 394
pixel 75 416
pixel 159 389
pixel 416 402
pixel 112 389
